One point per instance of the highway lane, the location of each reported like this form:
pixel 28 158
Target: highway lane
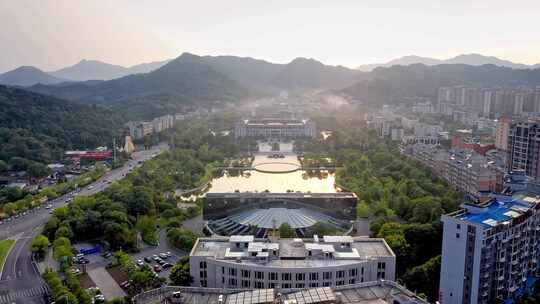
pixel 39 217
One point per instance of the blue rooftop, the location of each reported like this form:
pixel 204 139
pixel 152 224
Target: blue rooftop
pixel 501 209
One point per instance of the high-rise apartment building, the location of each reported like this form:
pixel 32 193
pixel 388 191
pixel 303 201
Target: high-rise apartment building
pixel 490 250
pixel 501 134
pixel 524 148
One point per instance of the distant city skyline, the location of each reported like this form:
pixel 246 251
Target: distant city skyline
pixel 53 34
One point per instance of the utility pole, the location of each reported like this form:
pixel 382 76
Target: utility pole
pixel 114 149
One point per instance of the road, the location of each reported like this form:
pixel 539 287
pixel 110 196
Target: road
pixel 39 217
pixel 20 281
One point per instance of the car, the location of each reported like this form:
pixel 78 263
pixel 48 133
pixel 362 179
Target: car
pixel 157 268
pixel 148 259
pixel 140 263
pixel 90 187
pixel 107 255
pixel 155 257
pixel 167 265
pixel 168 253
pixel 161 262
pixel 125 284
pixel 163 255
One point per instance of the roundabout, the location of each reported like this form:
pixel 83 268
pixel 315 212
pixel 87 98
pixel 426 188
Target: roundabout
pixel 276 167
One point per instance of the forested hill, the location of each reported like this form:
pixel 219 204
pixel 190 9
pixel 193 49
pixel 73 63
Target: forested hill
pixel 39 127
pixel 388 85
pixel 201 80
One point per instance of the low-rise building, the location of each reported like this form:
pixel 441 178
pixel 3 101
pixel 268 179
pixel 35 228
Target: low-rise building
pixel 464 170
pixel 376 292
pixel 246 262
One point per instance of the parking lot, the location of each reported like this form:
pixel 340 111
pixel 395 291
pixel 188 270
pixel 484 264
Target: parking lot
pixel 163 247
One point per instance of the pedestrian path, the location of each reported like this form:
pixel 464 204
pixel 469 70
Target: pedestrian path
pixel 9 297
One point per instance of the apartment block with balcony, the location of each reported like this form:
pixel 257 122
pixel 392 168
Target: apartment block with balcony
pixel 490 250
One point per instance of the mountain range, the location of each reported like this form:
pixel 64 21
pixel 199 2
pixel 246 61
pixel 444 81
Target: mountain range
pixel 191 79
pixel 387 85
pixel 81 71
pixel 98 70
pixel 26 76
pixel 469 59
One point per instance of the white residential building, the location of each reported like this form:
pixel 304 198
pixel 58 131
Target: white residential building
pixel 489 250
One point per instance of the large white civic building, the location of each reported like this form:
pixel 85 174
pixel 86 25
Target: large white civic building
pixel 246 262
pixel 275 128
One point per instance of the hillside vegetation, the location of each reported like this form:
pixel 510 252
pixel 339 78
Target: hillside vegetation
pixel 40 128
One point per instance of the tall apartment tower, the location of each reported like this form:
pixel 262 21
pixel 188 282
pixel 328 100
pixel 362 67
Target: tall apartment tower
pixel 490 250
pixel 501 134
pixel 524 148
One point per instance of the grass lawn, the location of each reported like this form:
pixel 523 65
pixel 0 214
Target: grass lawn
pixel 4 248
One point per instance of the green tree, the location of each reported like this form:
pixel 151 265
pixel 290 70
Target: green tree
pixel 148 228
pixel 39 245
pixel 36 169
pixel 362 210
pixel 285 231
pixel 180 273
pixel 3 166
pixel 64 231
pixel 425 278
pixel 182 238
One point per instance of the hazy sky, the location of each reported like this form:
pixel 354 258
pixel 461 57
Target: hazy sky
pixel 53 34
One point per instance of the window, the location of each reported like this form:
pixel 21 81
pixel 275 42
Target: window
pixel 340 274
pixel 222 270
pixel 326 284
pixel 353 272
pixel 203 274
pixel 232 282
pixel 458 226
pixel 245 283
pixel 314 276
pixel 457 235
pixel 339 283
pixel 246 273
pixel 381 265
pixel 204 283
pixel 259 285
pixel 273 276
pixel 202 264
pixel 300 276
pixel 259 275
pixel 313 284
pixel 232 272
pixel 272 285
pixel 286 285
pixel 300 285
pixel 286 277
pixel 352 281
pixel 327 275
